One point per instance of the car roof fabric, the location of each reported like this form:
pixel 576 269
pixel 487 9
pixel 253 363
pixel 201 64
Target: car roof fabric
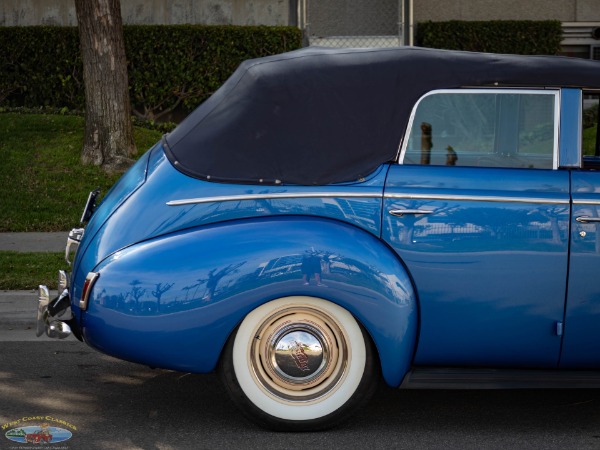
pixel 320 116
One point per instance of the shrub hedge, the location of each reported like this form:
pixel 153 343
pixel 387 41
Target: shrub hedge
pixel 169 66
pixel 590 116
pixel 524 37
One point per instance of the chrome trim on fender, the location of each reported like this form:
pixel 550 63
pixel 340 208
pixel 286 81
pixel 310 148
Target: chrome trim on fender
pixel 87 288
pixel 479 198
pixel 290 195
pixel 273 196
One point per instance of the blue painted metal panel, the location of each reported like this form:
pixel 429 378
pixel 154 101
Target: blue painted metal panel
pixel 488 263
pixel 114 198
pixel 173 301
pixel 581 346
pixel 570 128
pixel 129 215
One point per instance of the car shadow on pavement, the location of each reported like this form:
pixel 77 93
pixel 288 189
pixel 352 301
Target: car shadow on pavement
pixel 117 404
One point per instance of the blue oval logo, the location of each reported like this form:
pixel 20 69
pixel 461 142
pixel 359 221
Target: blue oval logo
pixel 43 434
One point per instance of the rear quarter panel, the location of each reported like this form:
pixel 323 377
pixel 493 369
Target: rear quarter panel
pixel 173 301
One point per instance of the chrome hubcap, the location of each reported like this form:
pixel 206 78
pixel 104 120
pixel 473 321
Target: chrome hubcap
pixel 299 354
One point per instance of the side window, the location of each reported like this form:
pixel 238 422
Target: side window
pixel 591 132
pixel 484 128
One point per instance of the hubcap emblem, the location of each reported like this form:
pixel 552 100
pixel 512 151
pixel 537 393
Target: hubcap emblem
pixel 299 356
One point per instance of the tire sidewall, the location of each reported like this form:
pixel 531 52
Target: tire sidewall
pixel 354 388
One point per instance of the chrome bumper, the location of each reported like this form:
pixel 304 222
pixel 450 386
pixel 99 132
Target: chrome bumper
pixel 73 241
pixel 48 310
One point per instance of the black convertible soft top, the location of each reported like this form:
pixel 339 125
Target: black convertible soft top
pixel 319 116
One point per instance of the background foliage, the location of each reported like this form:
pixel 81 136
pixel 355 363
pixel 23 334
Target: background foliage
pixel 169 66
pixel 590 116
pixel 43 185
pixel 522 37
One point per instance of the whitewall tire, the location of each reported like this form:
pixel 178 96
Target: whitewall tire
pixel 299 363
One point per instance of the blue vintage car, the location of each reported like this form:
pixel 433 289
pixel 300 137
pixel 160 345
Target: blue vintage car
pixel 330 217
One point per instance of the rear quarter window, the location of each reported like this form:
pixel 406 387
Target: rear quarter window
pixel 484 128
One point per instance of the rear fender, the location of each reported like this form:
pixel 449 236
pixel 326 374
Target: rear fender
pixel 173 301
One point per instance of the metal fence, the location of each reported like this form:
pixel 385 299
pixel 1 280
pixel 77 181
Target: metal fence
pixel 355 23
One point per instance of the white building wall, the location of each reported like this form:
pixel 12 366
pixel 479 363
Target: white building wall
pixel 563 10
pixel 162 12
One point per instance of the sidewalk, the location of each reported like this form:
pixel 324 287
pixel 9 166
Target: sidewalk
pixel 34 242
pixel 18 309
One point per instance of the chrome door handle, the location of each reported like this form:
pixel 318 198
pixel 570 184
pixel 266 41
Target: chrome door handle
pixel 401 212
pixel 586 219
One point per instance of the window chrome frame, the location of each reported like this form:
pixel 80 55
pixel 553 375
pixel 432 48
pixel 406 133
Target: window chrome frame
pixel 402 148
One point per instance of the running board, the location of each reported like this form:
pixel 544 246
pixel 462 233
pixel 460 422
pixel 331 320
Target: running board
pixel 462 378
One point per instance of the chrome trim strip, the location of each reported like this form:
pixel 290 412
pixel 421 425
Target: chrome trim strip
pixel 586 202
pixel 273 196
pixel 299 195
pixel 556 148
pixel 479 198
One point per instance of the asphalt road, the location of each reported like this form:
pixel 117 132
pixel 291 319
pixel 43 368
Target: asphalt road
pixel 119 405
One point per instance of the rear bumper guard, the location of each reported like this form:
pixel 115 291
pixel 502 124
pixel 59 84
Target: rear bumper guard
pixel 49 311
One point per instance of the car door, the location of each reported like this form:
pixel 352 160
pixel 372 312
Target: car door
pixel 479 214
pixel 581 347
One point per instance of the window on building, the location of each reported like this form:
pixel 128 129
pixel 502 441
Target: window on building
pixel 577 51
pixel 484 128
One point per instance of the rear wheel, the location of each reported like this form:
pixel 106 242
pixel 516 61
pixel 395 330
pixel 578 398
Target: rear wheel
pixel 299 363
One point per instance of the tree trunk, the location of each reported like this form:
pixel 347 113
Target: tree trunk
pixel 108 140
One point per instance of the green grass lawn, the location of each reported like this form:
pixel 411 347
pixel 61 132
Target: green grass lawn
pixel 28 270
pixel 589 140
pixel 43 186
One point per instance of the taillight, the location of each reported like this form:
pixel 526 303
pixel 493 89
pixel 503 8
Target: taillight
pixel 87 288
